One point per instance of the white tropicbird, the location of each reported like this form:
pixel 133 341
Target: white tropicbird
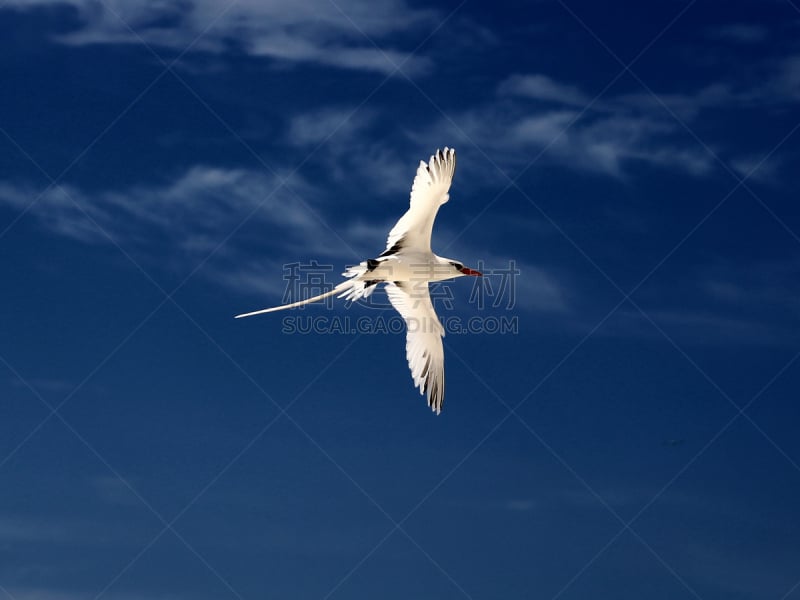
pixel 406 267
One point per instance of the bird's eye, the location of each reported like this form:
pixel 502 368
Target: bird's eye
pixel 458 266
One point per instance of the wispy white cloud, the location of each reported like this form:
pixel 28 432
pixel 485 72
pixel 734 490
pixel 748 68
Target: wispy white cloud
pixel 773 83
pixel 15 529
pixel 311 31
pixel 44 593
pixel 542 87
pixel 114 491
pixel 786 80
pixel 535 113
pixel 538 289
pixel 686 105
pixel 740 33
pixel 773 284
pixel 352 154
pixel 50 529
pixel 193 208
pixel 334 124
pixel 45 386
pixel 755 168
pixel 602 143
pixel 177 223
pixel 56 593
pixel 521 505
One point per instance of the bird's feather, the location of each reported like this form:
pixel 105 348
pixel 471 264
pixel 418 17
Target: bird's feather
pixel 424 349
pixel 428 193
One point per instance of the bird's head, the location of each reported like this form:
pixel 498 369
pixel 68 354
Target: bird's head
pixel 462 270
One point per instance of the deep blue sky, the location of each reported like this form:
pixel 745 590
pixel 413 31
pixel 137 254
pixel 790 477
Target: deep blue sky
pixel 160 163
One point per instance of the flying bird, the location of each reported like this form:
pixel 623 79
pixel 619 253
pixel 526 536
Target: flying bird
pixel 406 267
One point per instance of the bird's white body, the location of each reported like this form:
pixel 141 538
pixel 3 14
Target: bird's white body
pixel 406 267
pixel 414 265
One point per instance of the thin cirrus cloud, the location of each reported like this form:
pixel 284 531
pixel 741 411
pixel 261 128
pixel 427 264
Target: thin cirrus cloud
pixel 757 168
pixel 328 125
pixel 786 79
pixel 776 86
pixel 18 529
pixel 304 31
pixel 60 530
pixel 193 207
pixel 188 218
pixel 516 132
pixel 535 114
pixel 740 33
pixel 52 593
pixel 352 149
pixel 542 87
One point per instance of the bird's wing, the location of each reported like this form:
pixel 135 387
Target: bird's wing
pixel 424 349
pixel 428 193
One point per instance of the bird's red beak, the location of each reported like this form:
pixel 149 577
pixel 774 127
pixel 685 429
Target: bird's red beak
pixel 473 272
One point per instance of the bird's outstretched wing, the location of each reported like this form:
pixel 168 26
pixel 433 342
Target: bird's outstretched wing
pixel 428 193
pixel 424 349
